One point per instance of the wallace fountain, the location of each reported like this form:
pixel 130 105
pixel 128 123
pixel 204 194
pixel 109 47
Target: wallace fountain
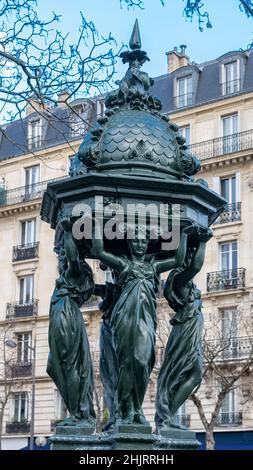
pixel 133 162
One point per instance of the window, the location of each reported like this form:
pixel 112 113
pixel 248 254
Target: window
pixel 228 189
pixel 24 341
pixel 19 407
pixel 32 175
pixel 60 408
pixel 229 265
pixel 229 333
pixel 228 256
pixel 28 232
pixel 71 159
pixel 35 134
pixel 231 82
pixel 230 133
pixel 100 108
pixel 185 132
pixel 26 285
pixel 79 121
pixel 184 92
pixel 182 417
pixel 228 408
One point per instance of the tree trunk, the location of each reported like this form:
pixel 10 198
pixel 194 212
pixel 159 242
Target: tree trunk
pixel 210 442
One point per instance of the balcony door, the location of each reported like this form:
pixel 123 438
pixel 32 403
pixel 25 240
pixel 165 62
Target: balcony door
pixel 229 264
pixel 20 407
pixel 228 189
pixel 35 134
pixel 229 333
pixel 26 288
pixel 232 80
pixel 227 412
pixel 28 232
pixel 184 91
pixel 24 342
pixel 185 132
pixel 32 176
pixel 230 133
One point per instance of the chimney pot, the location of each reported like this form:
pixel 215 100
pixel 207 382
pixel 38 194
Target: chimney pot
pixel 182 48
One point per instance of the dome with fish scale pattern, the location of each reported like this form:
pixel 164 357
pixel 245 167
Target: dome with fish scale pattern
pixel 134 137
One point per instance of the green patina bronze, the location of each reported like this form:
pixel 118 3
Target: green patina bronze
pixel 133 154
pixel 69 360
pixel 181 369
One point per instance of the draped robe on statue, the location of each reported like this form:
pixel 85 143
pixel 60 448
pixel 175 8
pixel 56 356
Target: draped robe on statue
pixel 69 361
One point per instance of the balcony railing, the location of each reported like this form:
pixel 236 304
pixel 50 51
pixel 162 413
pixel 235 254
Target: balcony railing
pixel 233 86
pixel 225 280
pixel 181 101
pixel 232 348
pixel 25 193
pixel 232 213
pixel 223 145
pixel 19 310
pixel 229 419
pixel 184 420
pixel 16 427
pixel 21 369
pixel 24 252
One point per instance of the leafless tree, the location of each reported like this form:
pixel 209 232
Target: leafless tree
pixel 228 366
pixel 228 363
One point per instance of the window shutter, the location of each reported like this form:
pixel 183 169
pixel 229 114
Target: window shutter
pixel 216 184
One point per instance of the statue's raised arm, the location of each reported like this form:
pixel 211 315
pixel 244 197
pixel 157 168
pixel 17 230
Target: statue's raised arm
pixel 114 262
pixel 177 260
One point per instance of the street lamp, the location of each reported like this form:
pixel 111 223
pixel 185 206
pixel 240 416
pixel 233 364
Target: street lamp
pixel 12 344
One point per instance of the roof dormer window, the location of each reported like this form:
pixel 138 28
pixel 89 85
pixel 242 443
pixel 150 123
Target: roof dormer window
pixel 79 120
pixel 184 92
pixel 100 108
pixel 34 134
pixel 231 82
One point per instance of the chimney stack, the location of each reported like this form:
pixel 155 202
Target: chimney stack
pixel 63 97
pixel 177 59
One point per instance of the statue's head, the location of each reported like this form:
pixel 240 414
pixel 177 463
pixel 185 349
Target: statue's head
pixel 138 246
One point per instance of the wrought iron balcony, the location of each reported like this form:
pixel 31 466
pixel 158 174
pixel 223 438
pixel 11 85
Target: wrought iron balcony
pixel 233 86
pixel 229 419
pixel 19 310
pixel 223 145
pixel 231 348
pixel 25 193
pixel 20 369
pixel 225 280
pixel 16 427
pixel 184 420
pixel 232 213
pixel 181 101
pixel 24 252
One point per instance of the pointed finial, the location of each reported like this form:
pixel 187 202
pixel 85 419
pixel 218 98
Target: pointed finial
pixel 135 40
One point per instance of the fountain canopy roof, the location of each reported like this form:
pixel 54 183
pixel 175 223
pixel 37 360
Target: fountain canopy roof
pixel 134 138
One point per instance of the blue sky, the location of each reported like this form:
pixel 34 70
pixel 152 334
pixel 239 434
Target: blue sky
pixel 162 28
